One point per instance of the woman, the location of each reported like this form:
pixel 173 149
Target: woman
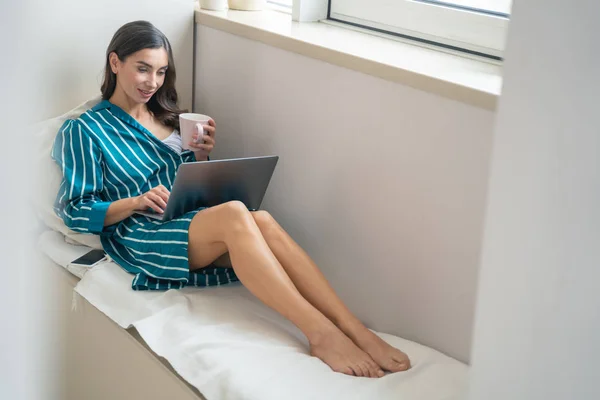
pixel 122 155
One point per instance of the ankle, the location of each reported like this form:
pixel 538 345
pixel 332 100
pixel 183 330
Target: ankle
pixel 352 327
pixel 322 334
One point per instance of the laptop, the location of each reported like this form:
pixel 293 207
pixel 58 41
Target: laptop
pixel 209 183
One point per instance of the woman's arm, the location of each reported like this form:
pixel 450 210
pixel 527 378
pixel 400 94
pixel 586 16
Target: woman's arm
pixel 156 199
pixel 119 210
pixel 78 202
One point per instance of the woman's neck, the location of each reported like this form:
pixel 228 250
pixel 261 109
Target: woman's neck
pixel 136 110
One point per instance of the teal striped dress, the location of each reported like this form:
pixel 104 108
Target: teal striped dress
pixel 106 155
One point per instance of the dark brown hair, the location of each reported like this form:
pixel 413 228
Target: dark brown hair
pixel 133 37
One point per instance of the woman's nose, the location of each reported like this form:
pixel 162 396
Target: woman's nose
pixel 152 82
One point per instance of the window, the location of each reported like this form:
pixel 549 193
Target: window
pixel 475 26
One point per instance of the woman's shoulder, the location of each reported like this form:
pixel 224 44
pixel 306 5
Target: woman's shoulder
pixel 86 121
pixel 74 125
pixel 81 125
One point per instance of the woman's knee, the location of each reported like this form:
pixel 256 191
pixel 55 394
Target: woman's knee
pixel 234 209
pixel 219 222
pixel 262 217
pixel 236 213
pixel 265 221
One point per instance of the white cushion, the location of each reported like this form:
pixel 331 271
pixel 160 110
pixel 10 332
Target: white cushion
pixel 50 176
pixel 53 244
pixel 227 344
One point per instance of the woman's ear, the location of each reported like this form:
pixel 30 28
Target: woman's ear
pixel 113 61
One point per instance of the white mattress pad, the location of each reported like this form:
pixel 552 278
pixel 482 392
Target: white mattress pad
pixel 227 344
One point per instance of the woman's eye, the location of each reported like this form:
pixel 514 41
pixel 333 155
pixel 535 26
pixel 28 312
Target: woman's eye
pixel 161 73
pixel 142 69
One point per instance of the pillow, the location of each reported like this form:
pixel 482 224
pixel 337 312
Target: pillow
pixel 49 176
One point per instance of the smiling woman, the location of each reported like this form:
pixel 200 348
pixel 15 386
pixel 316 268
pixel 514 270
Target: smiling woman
pixel 116 162
pixel 147 71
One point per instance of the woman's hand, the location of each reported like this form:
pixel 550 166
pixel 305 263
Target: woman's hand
pixel 207 143
pixel 156 199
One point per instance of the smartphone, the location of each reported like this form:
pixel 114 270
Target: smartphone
pixel 90 258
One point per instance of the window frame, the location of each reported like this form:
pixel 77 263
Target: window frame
pixel 455 27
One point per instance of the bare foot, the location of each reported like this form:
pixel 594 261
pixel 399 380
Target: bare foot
pixel 342 355
pixel 387 357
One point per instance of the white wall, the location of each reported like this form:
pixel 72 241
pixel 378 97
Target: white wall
pixel 383 185
pixel 52 59
pixel 20 377
pixel 537 333
pixel 71 37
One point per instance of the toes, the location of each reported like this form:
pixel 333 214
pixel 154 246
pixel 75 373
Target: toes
pixel 395 366
pixel 374 370
pixel 364 372
pixel 356 370
pixel 346 370
pixel 396 362
pixel 365 369
pixel 405 364
pixel 402 366
pixel 402 361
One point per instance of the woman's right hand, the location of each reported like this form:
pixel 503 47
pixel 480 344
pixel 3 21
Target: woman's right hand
pixel 156 199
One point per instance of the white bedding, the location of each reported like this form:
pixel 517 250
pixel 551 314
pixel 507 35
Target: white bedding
pixel 229 345
pixel 53 244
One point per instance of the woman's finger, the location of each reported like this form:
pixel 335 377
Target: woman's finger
pixel 148 203
pixel 203 145
pixel 195 146
pixel 154 197
pixel 163 196
pixel 155 207
pixel 209 130
pixel 212 122
pixel 163 189
pixel 199 138
pixel 209 140
pixel 163 193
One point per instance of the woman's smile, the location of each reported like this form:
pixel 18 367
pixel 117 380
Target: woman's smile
pixel 146 93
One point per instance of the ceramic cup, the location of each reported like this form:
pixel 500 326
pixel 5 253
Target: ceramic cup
pixel 188 123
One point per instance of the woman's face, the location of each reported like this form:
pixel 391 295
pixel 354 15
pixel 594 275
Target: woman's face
pixel 141 74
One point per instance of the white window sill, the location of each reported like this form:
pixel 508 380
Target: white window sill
pixel 456 77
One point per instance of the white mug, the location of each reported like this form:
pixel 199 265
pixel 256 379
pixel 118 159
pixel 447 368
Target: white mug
pixel 187 125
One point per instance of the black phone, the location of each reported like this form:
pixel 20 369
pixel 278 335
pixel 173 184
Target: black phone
pixel 90 258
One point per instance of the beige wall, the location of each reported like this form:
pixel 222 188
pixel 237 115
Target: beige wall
pixel 383 185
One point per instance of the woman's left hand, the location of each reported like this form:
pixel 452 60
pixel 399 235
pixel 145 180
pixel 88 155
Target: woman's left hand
pixel 207 143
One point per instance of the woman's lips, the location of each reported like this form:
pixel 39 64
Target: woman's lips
pixel 145 93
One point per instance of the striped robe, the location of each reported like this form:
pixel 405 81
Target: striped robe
pixel 106 155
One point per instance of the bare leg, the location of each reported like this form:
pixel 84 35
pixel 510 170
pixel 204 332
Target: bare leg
pixel 311 283
pixel 230 228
